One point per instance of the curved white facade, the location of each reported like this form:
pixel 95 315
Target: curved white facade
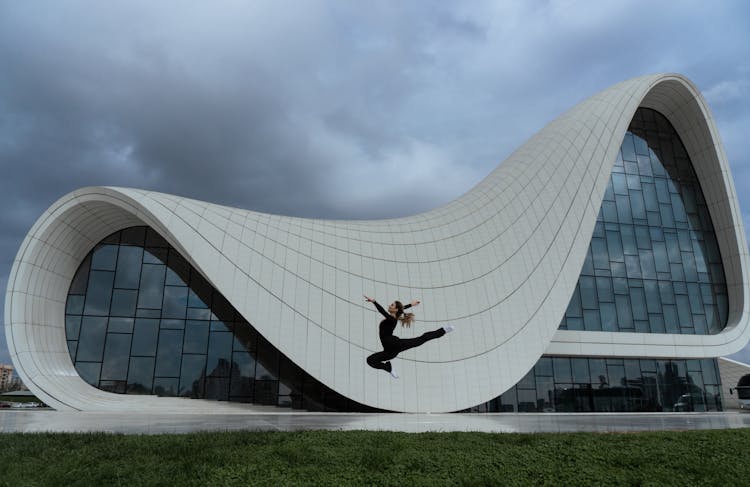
pixel 500 263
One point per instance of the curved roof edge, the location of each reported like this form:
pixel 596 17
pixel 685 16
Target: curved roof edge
pixel 500 263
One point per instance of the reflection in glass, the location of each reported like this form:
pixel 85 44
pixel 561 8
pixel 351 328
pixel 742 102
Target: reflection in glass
pixel 657 232
pixel 91 342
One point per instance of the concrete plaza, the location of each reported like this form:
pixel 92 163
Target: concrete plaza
pixel 32 421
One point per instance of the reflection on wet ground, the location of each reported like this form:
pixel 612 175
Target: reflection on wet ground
pixel 28 421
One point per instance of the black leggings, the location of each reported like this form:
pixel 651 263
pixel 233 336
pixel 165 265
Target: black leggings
pixel 396 345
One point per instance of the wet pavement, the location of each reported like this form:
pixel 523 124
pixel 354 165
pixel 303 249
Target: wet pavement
pixel 27 421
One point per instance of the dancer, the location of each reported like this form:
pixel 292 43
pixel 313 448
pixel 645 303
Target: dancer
pixel 393 345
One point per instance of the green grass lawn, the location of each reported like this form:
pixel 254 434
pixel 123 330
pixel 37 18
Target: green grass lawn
pixel 715 457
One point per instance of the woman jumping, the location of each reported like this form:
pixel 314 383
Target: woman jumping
pixel 393 345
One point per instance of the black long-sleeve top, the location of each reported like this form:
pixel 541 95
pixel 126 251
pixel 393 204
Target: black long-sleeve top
pixel 388 324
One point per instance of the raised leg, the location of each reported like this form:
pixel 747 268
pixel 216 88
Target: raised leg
pixel 407 343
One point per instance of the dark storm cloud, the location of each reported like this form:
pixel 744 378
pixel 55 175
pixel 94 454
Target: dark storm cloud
pixel 328 109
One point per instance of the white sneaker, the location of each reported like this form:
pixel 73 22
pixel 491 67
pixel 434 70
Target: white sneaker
pixel 393 372
pixel 449 328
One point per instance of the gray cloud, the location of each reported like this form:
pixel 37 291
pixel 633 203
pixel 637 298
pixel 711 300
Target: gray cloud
pixel 329 109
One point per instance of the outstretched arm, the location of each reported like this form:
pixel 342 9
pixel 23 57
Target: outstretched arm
pixel 380 308
pixel 413 303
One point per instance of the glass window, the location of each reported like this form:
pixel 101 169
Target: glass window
pixel 91 341
pixel 243 374
pixel 89 371
pixel 170 347
pixel 123 302
pixel 120 325
pixel 133 236
pixel 219 354
pixel 74 306
pixel 175 302
pixel 116 357
pixel 592 320
pixel 81 278
pixel 196 337
pixel 178 270
pixel 140 375
pixel 623 209
pixel 192 375
pixel 164 386
pixel 145 334
pixel 599 253
pixel 628 148
pixel 99 293
pixel 638 303
pixel 588 292
pixel 653 300
pixel 72 327
pixel 152 286
pixel 604 289
pixel 624 315
pixel 104 258
pixel 608 317
pixel 129 267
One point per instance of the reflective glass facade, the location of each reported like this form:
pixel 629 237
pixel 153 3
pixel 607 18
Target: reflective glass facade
pixel 579 384
pixel 140 320
pixel 653 265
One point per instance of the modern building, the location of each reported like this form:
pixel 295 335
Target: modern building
pixel 731 372
pixel 601 267
pixel 6 377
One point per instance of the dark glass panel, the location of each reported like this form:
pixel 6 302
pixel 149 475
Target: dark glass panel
pixel 120 325
pixel 175 302
pixel 592 320
pixel 91 342
pixel 154 255
pixel 153 239
pixel 165 386
pixel 545 392
pixel 147 313
pixel 104 258
pixel 133 236
pixel 243 374
pixel 123 302
pixel 74 306
pixel 99 293
pixel 81 279
pixel 140 375
pixel 72 348
pixel 192 376
pixel 543 367
pixel 89 371
pixel 219 354
pixel 129 267
pixel 116 357
pixel 172 324
pixel 145 335
pixel 200 292
pixel 196 337
pixel 562 369
pixel 152 286
pixel 588 292
pixel 178 270
pixel 198 314
pixel 72 327
pixel 170 347
pixel 608 316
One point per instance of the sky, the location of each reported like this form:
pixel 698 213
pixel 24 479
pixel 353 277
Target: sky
pixel 327 109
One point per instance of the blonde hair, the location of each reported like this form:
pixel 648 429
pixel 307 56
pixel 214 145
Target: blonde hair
pixel 406 319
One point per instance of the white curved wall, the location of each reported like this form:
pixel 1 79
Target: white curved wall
pixel 500 263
